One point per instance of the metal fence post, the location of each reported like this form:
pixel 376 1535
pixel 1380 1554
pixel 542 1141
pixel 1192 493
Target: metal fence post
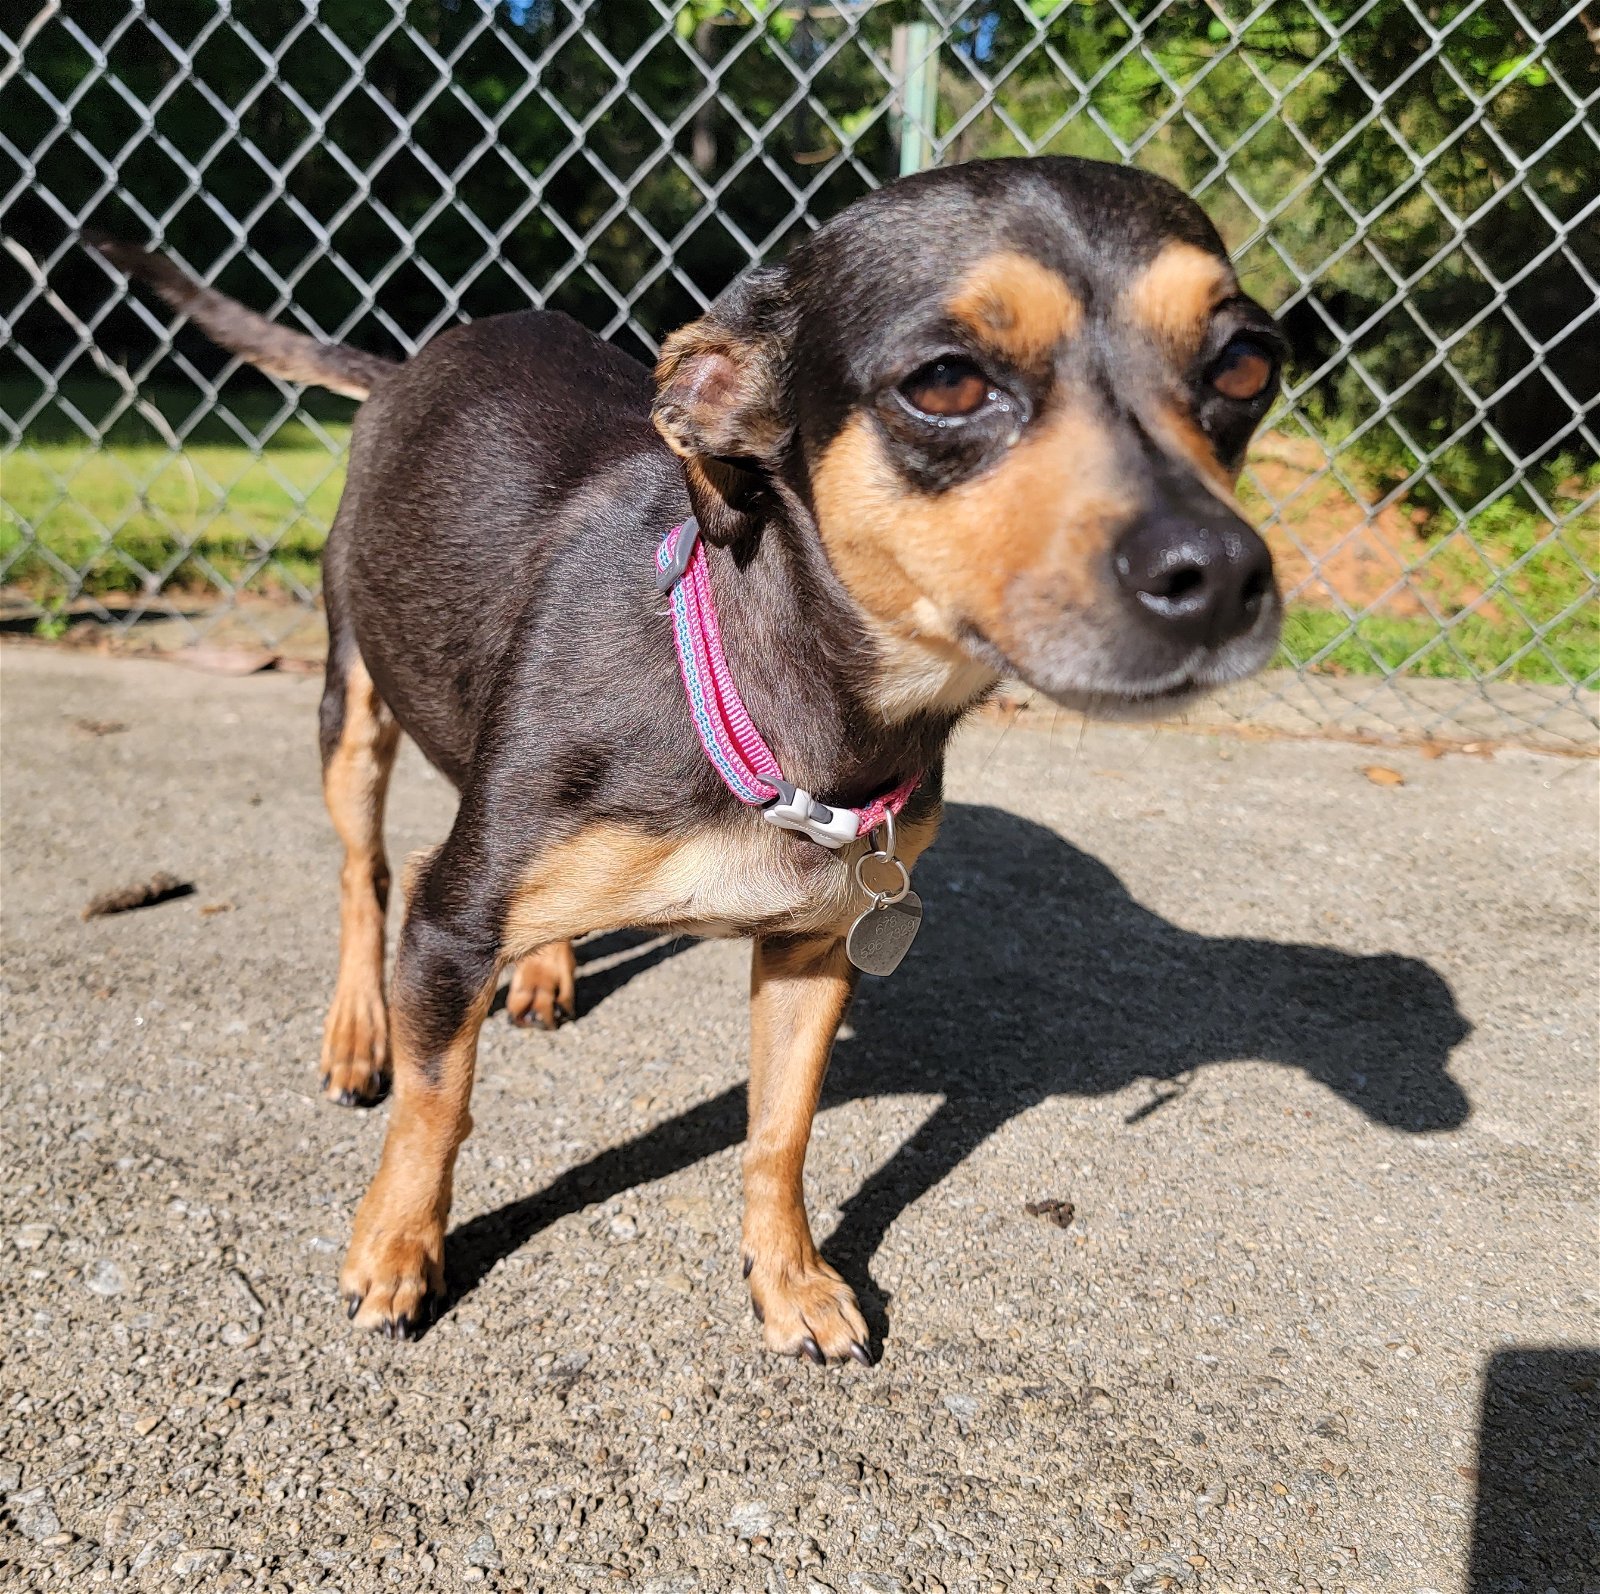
pixel 915 58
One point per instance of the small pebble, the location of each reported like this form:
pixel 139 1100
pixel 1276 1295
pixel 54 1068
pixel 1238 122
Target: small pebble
pixel 34 1514
pixel 105 1277
pixel 483 1551
pixel 193 1562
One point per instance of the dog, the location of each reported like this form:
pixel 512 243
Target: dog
pixel 986 422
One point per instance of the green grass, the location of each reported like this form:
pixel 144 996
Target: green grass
pixel 216 504
pixel 232 506
pixel 1474 645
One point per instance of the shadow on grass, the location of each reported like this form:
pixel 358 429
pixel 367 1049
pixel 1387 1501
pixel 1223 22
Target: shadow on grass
pixel 251 403
pixel 119 615
pixel 1037 975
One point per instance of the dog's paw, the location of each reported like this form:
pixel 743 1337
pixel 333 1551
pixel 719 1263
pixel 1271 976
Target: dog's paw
pixel 544 987
pixel 355 1048
pixel 806 1309
pixel 393 1278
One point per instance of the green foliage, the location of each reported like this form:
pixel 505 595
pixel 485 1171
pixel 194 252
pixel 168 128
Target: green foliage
pixel 1478 645
pixel 1263 112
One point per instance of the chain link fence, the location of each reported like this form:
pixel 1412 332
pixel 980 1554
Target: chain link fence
pixel 1413 188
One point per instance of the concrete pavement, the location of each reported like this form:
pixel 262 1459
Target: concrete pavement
pixel 1312 1057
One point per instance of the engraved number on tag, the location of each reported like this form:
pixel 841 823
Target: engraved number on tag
pixel 882 936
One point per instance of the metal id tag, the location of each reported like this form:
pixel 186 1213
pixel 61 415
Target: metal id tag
pixel 882 936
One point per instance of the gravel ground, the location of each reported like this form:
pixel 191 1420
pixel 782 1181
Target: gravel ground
pixel 1311 1055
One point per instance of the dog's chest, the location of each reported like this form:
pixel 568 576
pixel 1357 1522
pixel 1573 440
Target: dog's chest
pixel 741 878
pixel 756 877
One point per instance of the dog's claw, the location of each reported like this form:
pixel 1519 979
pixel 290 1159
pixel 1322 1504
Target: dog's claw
pixel 530 1019
pixel 749 1262
pixel 861 1353
pixel 352 1097
pixel 813 1350
pixel 755 1306
pixel 407 1326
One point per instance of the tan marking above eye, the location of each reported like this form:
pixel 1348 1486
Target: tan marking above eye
pixel 1242 373
pixel 947 387
pixel 1018 306
pixel 1174 296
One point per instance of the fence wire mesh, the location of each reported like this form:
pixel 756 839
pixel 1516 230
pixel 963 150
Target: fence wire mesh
pixel 1412 188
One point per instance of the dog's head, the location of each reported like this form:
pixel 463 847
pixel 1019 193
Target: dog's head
pixel 1012 398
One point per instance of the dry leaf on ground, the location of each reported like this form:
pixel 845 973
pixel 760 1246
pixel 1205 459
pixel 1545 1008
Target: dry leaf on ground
pixel 1382 775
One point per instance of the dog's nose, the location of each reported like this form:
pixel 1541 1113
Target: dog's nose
pixel 1201 580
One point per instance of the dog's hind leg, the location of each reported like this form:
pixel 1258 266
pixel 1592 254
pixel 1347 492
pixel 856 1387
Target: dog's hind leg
pixel 359 737
pixel 544 987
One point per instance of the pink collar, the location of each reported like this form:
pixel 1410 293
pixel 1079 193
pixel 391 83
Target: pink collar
pixel 731 742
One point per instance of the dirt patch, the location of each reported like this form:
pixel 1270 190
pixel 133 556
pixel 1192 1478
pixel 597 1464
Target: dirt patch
pixel 1334 547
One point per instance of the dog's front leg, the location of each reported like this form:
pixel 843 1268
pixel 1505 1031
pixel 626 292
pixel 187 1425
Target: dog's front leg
pixel 444 980
pixel 799 989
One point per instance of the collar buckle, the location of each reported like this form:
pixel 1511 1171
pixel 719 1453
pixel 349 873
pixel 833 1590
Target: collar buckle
pixel 794 808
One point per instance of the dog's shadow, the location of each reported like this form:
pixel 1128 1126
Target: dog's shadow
pixel 1036 974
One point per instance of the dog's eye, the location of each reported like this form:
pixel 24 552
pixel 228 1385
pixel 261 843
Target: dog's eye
pixel 947 387
pixel 1243 371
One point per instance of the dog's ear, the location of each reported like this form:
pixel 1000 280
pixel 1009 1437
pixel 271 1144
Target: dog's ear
pixel 721 402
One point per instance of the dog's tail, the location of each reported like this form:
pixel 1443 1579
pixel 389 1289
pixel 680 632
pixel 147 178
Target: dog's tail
pixel 292 355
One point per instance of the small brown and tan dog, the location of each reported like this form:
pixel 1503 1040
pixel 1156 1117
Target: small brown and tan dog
pixel 985 422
